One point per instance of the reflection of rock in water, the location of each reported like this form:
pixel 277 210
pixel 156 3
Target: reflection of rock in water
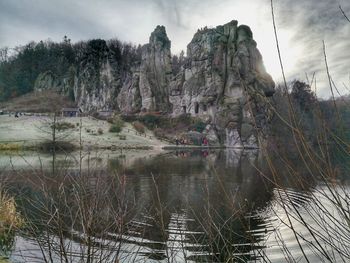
pixel 233 156
pixel 217 189
pixel 232 138
pixel 190 205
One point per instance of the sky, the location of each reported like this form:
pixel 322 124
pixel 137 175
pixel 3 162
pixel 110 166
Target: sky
pixel 302 26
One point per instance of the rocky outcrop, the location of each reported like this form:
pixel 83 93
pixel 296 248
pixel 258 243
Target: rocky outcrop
pixel 223 81
pixel 46 80
pixel 97 79
pixel 129 99
pixel 93 83
pixel 152 79
pixel 155 72
pixel 96 90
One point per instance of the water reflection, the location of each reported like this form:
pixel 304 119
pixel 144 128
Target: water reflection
pixel 203 206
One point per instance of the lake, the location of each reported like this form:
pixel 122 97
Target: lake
pixel 177 206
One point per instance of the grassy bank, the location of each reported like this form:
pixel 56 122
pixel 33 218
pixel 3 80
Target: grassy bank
pixel 35 133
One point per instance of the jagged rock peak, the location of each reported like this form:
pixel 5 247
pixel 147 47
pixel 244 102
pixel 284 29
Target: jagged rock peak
pixel 245 31
pixel 160 37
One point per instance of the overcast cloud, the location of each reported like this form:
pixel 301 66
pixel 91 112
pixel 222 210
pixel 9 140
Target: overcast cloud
pixel 302 25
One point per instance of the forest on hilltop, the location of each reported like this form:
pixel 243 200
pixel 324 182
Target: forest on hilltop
pixel 19 71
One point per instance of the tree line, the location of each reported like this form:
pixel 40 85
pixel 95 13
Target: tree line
pixel 20 68
pixel 317 120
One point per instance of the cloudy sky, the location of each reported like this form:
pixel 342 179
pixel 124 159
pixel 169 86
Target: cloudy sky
pixel 302 26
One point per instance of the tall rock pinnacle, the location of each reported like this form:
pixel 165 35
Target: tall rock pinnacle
pixel 155 72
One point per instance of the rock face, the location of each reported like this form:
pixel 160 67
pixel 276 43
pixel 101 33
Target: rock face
pixel 151 81
pixel 223 81
pixel 96 91
pixel 96 81
pixel 48 80
pixel 129 99
pixel 93 83
pixel 155 72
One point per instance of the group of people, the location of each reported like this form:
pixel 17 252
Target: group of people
pixel 182 141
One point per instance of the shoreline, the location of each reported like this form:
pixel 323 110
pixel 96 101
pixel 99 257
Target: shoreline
pixel 14 146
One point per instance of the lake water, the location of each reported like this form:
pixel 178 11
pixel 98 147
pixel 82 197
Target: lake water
pixel 180 206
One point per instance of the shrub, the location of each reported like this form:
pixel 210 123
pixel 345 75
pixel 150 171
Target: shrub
pixel 115 128
pixel 122 137
pixel 150 120
pixel 58 146
pixel 9 147
pixel 184 118
pixel 115 119
pixel 60 126
pixel 129 118
pixel 159 133
pixel 138 126
pixel 117 124
pixel 9 216
pixel 110 120
pixel 100 131
pixel 199 125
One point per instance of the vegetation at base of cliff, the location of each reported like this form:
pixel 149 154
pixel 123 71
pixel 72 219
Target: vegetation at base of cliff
pixel 165 127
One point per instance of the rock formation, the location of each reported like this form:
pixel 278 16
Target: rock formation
pixel 151 81
pixel 129 99
pixel 96 83
pixel 223 81
pixel 155 72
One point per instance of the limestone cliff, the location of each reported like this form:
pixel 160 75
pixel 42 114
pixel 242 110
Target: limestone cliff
pixel 152 79
pixel 97 80
pixel 129 99
pixel 93 82
pixel 223 81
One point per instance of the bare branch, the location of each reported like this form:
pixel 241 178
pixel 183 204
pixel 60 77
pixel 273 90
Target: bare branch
pixel 342 11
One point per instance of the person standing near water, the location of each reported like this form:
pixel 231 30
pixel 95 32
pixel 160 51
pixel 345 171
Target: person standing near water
pixel 205 141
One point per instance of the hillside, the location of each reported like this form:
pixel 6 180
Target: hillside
pixel 44 101
pixel 32 131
